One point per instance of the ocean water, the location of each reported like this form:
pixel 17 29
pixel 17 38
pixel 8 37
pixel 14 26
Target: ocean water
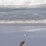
pixel 22 15
pixel 16 22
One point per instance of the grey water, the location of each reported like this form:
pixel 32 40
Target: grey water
pixel 22 13
pixel 13 34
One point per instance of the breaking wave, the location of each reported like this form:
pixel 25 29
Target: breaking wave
pixel 23 21
pixel 22 2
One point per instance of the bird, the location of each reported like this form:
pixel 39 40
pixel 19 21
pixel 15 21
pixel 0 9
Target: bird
pixel 25 34
pixel 21 43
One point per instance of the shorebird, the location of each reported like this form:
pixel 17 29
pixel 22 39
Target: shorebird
pixel 21 43
pixel 25 34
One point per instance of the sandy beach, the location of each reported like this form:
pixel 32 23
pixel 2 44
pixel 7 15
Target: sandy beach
pixel 11 35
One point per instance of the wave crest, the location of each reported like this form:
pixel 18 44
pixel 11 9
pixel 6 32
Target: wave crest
pixel 22 21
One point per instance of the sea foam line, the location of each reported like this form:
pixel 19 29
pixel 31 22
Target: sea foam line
pixel 22 21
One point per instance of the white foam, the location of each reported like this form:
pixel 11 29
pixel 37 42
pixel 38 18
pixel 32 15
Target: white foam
pixel 23 21
pixel 22 2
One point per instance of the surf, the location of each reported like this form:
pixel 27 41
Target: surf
pixel 23 21
pixel 22 3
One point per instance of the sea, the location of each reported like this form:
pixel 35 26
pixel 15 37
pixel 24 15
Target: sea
pixel 23 24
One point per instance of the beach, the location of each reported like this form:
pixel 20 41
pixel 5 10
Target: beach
pixel 12 35
pixel 16 22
